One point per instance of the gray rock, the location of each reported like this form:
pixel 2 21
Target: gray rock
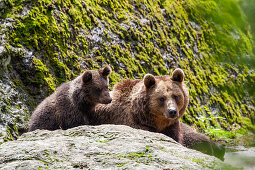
pixel 4 58
pixel 101 147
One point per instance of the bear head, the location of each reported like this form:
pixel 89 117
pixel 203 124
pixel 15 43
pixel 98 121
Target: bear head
pixel 167 97
pixel 95 85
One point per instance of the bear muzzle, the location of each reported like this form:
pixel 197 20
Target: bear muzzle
pixel 172 113
pixel 106 100
pixel 105 97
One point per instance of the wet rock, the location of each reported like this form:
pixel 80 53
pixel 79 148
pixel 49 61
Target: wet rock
pixel 4 58
pixel 13 110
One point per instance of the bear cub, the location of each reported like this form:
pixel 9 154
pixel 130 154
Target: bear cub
pixel 72 101
pixel 155 103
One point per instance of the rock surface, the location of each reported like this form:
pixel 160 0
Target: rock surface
pixel 97 147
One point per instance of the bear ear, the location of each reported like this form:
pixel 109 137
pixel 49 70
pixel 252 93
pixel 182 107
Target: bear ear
pixel 178 75
pixel 149 80
pixel 105 72
pixel 87 76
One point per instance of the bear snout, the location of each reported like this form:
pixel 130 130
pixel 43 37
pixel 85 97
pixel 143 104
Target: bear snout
pixel 107 100
pixel 172 113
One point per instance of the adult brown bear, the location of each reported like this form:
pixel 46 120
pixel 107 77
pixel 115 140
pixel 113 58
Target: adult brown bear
pixel 156 104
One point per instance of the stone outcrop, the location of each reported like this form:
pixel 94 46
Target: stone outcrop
pixel 97 147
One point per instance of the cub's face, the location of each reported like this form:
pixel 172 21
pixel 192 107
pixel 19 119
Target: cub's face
pixel 168 98
pixel 96 85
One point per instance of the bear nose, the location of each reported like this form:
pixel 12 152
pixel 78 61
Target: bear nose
pixel 172 112
pixel 109 100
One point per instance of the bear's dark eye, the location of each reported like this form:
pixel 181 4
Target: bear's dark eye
pixel 98 89
pixel 162 99
pixel 176 97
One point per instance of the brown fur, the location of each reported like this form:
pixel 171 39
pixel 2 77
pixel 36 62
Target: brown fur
pixel 137 103
pixel 72 102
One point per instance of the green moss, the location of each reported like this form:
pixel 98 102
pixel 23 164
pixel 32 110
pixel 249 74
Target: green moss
pixel 43 76
pixel 12 133
pixel 248 124
pixel 121 164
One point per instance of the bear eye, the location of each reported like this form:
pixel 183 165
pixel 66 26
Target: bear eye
pixel 162 99
pixel 98 89
pixel 176 97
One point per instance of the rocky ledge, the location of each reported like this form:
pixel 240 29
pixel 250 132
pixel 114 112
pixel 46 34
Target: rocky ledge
pixel 97 147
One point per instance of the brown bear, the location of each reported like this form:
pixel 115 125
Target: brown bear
pixel 70 104
pixel 155 103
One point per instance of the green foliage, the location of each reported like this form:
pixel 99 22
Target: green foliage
pixel 230 29
pixel 219 133
pixel 248 8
